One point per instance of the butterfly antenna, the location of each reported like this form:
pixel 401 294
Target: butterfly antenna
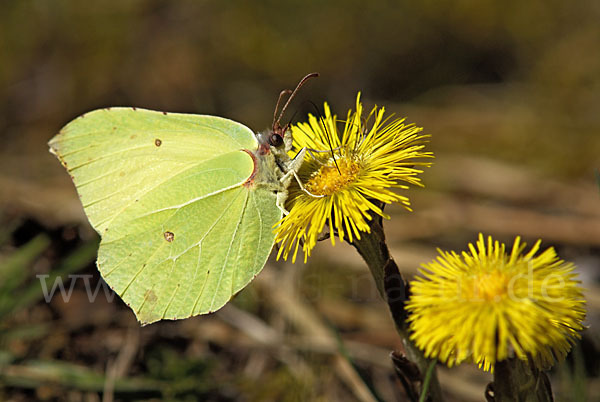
pixel 281 95
pixel 277 123
pixel 322 120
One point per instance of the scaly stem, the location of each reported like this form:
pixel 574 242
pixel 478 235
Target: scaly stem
pixel 394 290
pixel 520 381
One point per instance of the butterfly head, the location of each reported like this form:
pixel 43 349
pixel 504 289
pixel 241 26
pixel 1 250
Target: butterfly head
pixel 279 139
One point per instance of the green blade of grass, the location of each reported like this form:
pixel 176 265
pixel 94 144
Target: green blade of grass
pixel 74 262
pixel 14 270
pixel 35 373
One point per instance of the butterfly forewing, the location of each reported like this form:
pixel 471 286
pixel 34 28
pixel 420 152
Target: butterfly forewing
pixel 116 155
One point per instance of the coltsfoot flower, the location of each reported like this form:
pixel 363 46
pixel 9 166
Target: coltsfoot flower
pixel 485 305
pixel 346 174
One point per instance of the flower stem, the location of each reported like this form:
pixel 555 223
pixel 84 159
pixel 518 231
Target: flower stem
pixel 428 375
pixel 519 380
pixel 394 290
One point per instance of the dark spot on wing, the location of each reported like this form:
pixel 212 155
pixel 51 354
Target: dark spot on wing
pixel 157 142
pixel 150 296
pixel 134 109
pixel 132 136
pixel 169 236
pixel 165 113
pixel 114 128
pixel 122 174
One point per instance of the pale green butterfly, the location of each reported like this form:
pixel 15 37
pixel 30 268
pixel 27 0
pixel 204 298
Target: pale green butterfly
pixel 185 204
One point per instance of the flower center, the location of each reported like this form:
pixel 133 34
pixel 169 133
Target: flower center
pixel 328 180
pixel 491 286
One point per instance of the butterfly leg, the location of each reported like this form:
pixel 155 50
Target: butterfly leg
pixel 280 201
pixel 294 164
pixel 292 169
pixel 286 177
pixel 304 188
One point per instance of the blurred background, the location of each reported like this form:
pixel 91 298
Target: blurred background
pixel 509 91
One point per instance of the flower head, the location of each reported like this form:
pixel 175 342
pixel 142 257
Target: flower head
pixel 486 305
pixel 347 174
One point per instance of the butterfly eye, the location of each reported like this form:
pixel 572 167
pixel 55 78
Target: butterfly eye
pixel 275 140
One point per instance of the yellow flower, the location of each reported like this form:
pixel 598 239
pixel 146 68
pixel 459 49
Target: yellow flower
pixel 348 174
pixel 485 306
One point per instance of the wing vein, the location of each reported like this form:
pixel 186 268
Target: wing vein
pixel 120 151
pixel 199 243
pixel 141 269
pixel 127 131
pixel 178 207
pixel 236 269
pixel 237 226
pixel 127 205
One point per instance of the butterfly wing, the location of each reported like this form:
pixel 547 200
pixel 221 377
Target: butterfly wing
pixel 180 232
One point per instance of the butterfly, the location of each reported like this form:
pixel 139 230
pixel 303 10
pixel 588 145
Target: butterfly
pixel 184 204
